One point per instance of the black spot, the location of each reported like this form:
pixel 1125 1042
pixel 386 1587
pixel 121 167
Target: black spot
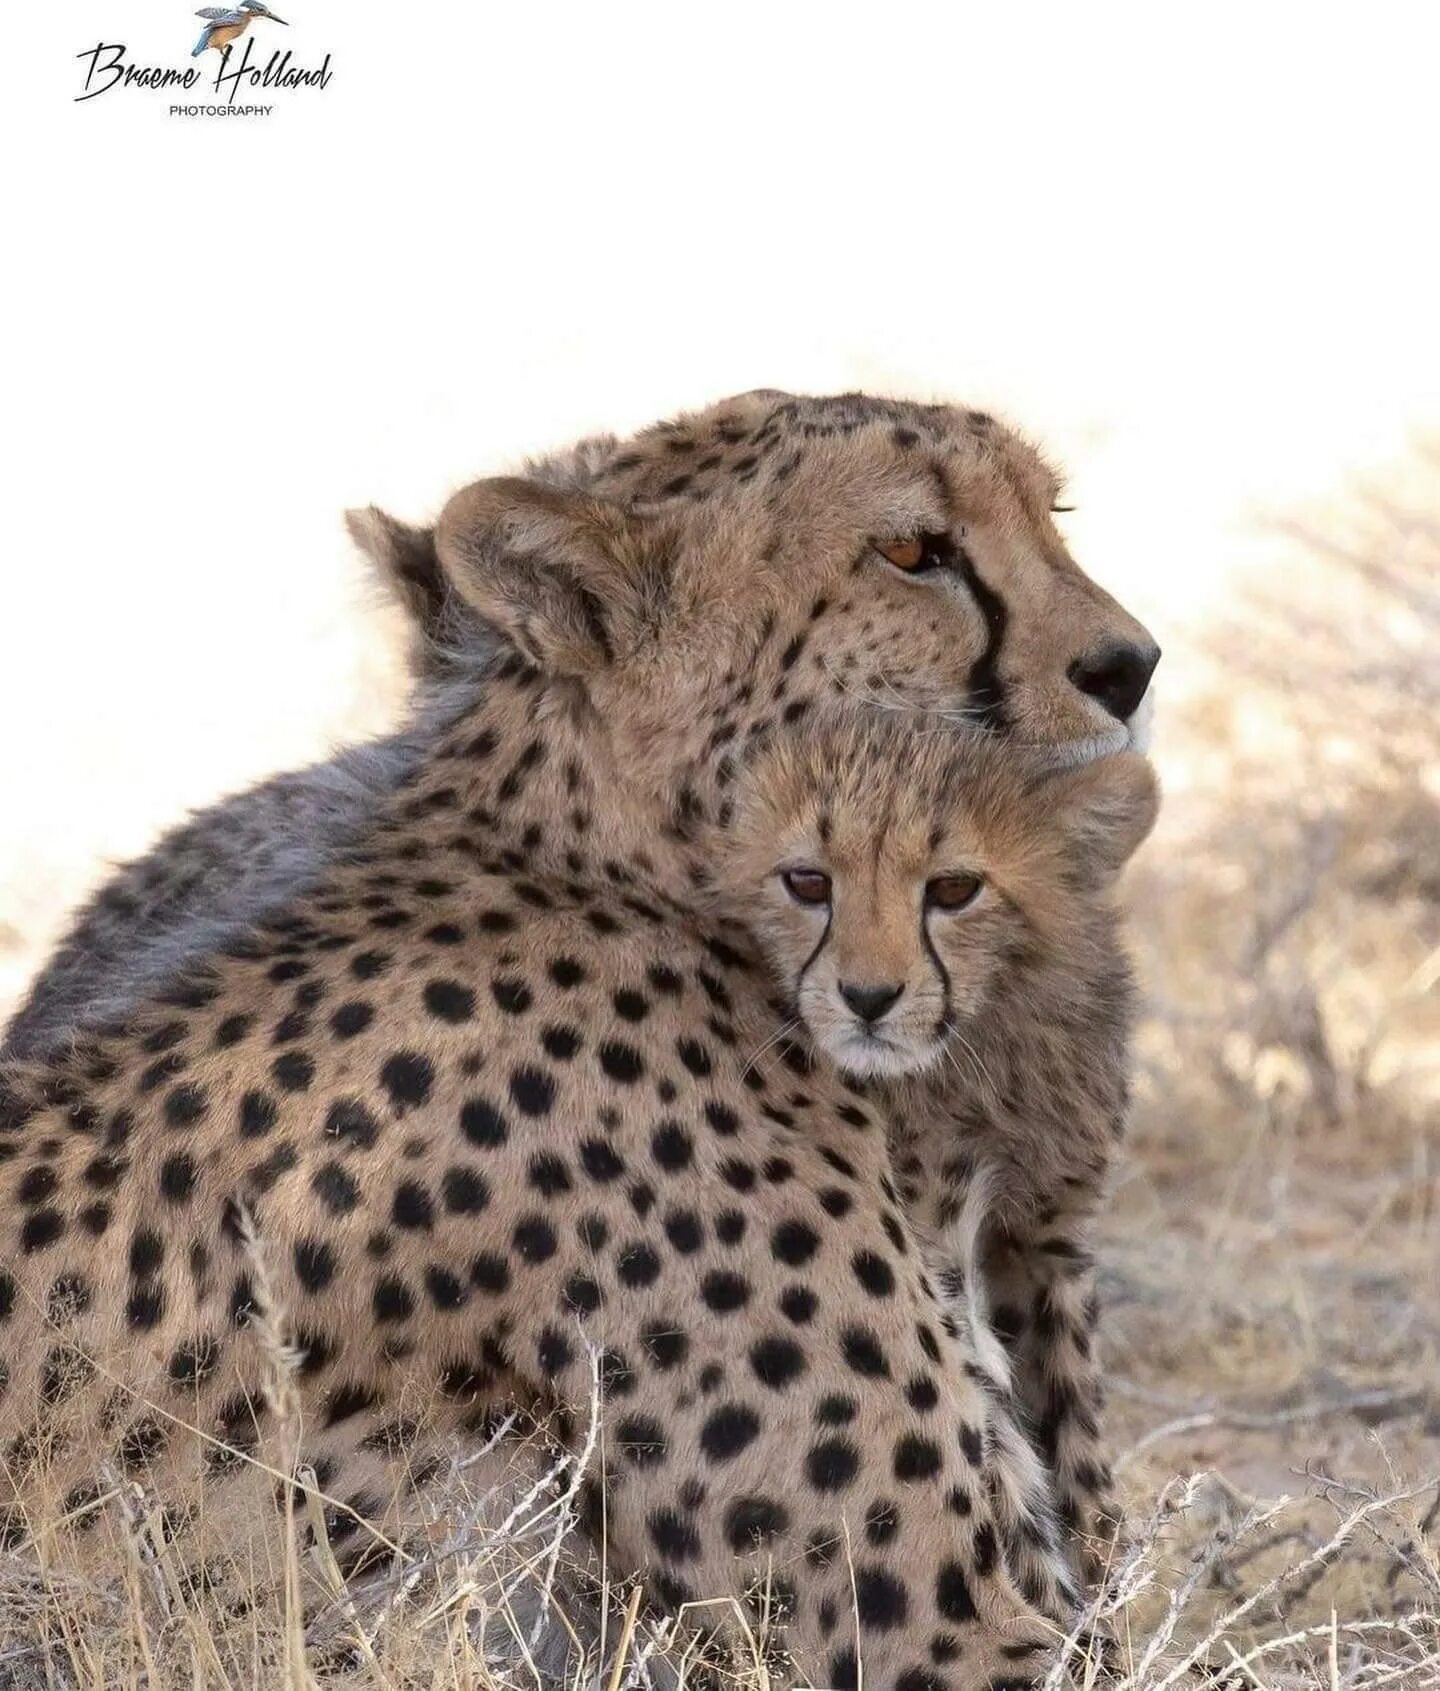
pixel 728 1431
pixel 534 1238
pixel 177 1178
pixel 449 1001
pixel 600 1162
pixel 292 1071
pixel 314 1264
pixel 482 1124
pixel 916 1458
pixel 798 1304
pixel 37 1185
pixel 185 1105
pixel 832 1464
pixel 582 1294
pixel 724 1292
pixel 879 1599
pixel 630 1006
pixel 392 1300
pixel 667 1346
pixel 338 1190
pixel 553 1352
pixel 844 1671
pixel 673 1536
pixel 407 1077
pixel 952 1594
pixel 882 1522
pixel 777 1362
pixel 671 1147
pixel 350 1120
pixel 145 1307
pixel 862 1352
pixel 752 1522
pixel 695 1057
pixel 566 972
pixel 412 1206
pixel 191 1362
pixel 548 1174
pixel 258 1114
pixel 533 1091
pixel 921 1394
pixel 642 1439
pixel 41 1230
pixel 794 1242
pixel 465 1190
pixel 346 1401
pixel 490 1273
pixel 873 1273
pixel 445 1290
pixel 349 1019
pixel 621 1062
pixel 637 1265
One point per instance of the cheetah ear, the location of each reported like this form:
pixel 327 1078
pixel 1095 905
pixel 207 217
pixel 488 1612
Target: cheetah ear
pixel 403 561
pixel 561 575
pixel 1103 813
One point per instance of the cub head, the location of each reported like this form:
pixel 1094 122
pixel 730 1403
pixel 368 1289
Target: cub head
pixel 720 577
pixel 891 872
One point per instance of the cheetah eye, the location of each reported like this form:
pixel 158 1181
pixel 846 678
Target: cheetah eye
pixel 917 555
pixel 806 886
pixel 952 892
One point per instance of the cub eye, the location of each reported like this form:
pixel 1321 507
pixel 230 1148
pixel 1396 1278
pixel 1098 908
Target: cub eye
pixel 953 892
pixel 917 555
pixel 806 886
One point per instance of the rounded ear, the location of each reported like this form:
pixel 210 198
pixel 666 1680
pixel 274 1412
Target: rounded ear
pixel 1103 813
pixel 403 561
pixel 563 576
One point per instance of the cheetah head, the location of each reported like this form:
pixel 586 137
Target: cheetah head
pixel 892 873
pixel 715 579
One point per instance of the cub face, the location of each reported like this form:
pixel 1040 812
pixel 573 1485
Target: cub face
pixel 892 872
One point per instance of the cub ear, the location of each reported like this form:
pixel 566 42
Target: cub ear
pixel 560 575
pixel 1103 813
pixel 403 561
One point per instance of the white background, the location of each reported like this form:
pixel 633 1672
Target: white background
pixel 1192 248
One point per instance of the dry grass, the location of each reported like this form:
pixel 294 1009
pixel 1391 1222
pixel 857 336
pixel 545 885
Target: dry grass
pixel 1273 1295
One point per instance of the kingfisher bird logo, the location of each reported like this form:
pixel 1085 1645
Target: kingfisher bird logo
pixel 222 26
pixel 239 65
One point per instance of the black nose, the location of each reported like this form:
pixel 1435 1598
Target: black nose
pixel 870 1002
pixel 1117 676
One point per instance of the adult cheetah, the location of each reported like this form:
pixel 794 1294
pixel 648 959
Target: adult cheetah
pixel 452 1082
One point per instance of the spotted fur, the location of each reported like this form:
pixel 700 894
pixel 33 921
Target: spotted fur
pixel 1000 1053
pixel 479 1083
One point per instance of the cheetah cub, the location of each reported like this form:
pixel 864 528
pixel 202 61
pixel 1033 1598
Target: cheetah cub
pixel 941 921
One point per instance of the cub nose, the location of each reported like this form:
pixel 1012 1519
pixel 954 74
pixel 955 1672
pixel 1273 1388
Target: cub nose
pixel 870 1002
pixel 1116 675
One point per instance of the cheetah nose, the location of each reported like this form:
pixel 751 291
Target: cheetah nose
pixel 870 1002
pixel 1116 676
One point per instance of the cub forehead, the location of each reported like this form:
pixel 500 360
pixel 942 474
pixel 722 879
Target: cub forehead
pixel 893 792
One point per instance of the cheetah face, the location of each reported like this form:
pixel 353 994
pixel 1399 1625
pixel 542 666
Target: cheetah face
pixel 891 873
pixel 928 533
pixel 723 576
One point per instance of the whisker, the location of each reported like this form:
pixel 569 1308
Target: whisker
pixel 784 1029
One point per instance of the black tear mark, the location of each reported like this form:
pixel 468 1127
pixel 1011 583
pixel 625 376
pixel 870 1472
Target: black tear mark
pixel 985 690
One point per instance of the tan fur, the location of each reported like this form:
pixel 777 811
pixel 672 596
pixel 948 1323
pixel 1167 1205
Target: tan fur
pixel 1011 1030
pixel 340 1076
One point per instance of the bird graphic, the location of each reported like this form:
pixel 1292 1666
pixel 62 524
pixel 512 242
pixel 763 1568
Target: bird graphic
pixel 224 24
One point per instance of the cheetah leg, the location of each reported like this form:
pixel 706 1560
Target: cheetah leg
pixel 1021 1488
pixel 1044 1298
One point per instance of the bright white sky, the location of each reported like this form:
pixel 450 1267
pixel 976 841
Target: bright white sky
pixel 1192 248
